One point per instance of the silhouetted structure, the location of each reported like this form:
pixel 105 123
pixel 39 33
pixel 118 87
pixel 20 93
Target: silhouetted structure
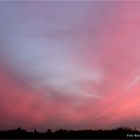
pixel 119 133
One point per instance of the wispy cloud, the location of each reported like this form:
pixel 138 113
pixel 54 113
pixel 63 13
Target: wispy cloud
pixel 68 64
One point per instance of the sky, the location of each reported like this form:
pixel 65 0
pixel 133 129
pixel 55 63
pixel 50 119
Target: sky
pixel 69 64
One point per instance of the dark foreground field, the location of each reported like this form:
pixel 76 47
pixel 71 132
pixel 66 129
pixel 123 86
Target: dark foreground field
pixel 119 133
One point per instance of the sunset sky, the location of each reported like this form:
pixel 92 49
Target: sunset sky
pixel 69 64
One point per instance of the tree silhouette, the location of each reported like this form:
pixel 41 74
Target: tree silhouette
pixel 118 133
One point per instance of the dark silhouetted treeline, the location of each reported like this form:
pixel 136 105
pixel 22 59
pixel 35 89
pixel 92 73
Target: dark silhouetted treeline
pixel 119 133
